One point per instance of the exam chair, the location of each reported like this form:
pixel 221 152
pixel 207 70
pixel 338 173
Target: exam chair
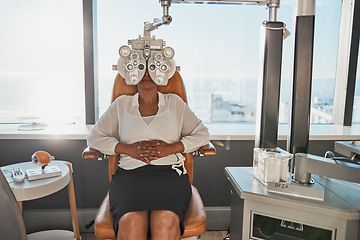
pixel 12 225
pixel 195 218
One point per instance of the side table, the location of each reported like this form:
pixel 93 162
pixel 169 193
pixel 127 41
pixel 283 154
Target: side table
pixel 260 214
pixel 29 190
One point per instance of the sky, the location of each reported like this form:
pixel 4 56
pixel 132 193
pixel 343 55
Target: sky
pixel 38 35
pixel 222 39
pixel 204 35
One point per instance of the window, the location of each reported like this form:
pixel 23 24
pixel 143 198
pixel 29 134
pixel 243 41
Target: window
pixel 326 40
pixel 356 111
pixel 217 47
pixel 41 61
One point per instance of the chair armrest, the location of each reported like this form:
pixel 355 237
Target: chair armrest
pixel 91 153
pixel 207 150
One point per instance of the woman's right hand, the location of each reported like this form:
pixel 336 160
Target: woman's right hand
pixel 142 151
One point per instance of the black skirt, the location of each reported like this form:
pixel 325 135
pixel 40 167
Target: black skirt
pixel 149 188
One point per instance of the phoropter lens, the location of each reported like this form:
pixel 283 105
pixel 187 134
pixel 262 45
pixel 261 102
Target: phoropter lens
pixel 152 67
pixel 164 68
pixel 134 56
pixel 124 51
pixel 158 57
pixel 129 67
pixel 169 52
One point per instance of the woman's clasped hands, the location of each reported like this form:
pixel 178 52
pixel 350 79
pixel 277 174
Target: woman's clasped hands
pixel 151 150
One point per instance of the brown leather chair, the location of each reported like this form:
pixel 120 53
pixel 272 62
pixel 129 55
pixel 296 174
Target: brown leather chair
pixel 195 218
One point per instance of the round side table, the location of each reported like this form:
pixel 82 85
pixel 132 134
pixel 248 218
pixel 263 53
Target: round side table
pixel 34 189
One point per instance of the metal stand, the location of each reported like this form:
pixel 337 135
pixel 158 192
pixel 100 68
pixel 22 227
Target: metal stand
pixel 267 115
pixel 299 125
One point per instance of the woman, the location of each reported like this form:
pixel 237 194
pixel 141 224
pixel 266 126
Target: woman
pixel 150 190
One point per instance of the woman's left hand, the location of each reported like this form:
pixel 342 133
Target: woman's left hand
pixel 163 149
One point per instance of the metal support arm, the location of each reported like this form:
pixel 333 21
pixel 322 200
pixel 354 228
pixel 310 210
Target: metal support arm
pixel 273 5
pixel 306 164
pixel 258 2
pixel 166 18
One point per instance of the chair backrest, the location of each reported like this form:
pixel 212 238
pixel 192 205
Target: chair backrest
pixel 175 86
pixel 11 222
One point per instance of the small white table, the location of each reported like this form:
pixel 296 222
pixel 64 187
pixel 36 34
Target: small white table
pixel 29 190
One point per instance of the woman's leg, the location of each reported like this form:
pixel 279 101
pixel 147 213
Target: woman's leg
pixel 133 225
pixel 164 225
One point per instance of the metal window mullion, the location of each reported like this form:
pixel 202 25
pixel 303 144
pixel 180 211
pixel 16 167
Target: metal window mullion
pixel 299 125
pixel 90 61
pixel 347 63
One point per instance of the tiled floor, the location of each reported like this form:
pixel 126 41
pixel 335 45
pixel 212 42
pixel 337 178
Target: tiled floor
pixel 209 235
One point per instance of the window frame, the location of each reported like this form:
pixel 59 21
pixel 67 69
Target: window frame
pixel 347 63
pixel 343 102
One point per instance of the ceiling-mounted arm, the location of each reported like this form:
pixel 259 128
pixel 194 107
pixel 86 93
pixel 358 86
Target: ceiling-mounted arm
pixel 273 5
pixel 246 2
pixel 166 18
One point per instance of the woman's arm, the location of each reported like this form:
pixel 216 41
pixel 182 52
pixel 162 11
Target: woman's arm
pixel 104 135
pixel 194 133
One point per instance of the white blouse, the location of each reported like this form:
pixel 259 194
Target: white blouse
pixel 122 122
pixel 148 119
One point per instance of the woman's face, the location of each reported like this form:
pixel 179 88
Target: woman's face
pixel 146 82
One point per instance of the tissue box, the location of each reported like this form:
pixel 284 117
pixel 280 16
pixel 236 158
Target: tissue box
pixel 271 165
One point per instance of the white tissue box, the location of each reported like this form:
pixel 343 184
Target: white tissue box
pixel 271 165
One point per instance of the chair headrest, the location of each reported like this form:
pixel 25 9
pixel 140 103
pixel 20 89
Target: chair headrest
pixel 175 85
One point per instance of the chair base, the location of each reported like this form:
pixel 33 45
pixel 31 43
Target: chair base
pixel 52 234
pixel 192 238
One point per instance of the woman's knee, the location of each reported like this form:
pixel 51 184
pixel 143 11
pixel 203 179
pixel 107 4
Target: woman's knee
pixel 164 220
pixel 134 223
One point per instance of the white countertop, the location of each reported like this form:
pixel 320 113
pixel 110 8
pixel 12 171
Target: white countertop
pixel 61 131
pixel 218 131
pixel 317 132
pixel 333 205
